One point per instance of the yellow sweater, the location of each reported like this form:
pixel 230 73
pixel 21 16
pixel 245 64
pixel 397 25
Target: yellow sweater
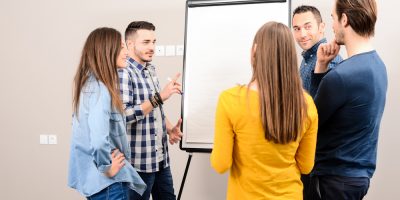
pixel 259 169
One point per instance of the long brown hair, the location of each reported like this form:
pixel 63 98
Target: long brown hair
pixel 99 58
pixel 282 104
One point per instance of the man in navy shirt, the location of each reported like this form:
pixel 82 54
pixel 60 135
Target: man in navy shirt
pixel 350 100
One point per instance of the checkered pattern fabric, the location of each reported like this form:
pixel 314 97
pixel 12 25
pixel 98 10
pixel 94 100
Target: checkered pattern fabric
pixel 135 87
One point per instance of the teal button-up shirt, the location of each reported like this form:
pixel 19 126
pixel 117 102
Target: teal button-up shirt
pixel 308 64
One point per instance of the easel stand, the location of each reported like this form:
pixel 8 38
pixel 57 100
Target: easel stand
pixel 184 175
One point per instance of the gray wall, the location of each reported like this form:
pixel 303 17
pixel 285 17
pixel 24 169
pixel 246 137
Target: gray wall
pixel 40 48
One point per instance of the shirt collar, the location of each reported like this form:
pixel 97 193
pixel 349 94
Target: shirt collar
pixel 313 50
pixel 137 65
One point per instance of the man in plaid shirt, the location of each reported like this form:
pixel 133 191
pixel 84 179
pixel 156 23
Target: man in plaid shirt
pixel 147 124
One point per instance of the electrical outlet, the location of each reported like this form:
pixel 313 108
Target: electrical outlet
pixel 52 139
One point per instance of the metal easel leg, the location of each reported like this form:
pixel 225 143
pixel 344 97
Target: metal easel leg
pixel 184 175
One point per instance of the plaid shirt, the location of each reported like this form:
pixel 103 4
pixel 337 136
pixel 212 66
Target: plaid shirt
pixel 135 88
pixel 308 64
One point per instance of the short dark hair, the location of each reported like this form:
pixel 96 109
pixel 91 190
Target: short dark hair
pixel 361 15
pixel 137 25
pixel 307 8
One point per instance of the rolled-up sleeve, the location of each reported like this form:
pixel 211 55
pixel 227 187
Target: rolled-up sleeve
pixel 133 112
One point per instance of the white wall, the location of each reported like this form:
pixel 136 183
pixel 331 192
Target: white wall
pixel 40 48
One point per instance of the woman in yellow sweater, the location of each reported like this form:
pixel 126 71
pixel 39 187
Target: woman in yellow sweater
pixel 266 131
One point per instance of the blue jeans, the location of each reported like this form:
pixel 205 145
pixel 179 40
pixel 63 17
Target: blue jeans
pixel 159 184
pixel 339 187
pixel 116 191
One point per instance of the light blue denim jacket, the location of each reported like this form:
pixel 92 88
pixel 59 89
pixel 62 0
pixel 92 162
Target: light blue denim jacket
pixel 96 131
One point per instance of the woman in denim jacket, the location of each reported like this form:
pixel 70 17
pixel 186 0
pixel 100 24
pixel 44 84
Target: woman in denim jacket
pixel 99 166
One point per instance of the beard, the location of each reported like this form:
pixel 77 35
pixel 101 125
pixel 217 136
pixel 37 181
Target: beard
pixel 339 37
pixel 145 59
pixel 142 57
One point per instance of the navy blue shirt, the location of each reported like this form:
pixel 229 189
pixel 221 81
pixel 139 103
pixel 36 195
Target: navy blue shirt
pixel 350 100
pixel 308 64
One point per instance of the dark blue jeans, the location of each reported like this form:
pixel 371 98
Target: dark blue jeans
pixel 343 188
pixel 309 187
pixel 159 184
pixel 116 191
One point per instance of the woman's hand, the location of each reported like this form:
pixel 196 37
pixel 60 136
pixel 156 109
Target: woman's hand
pixel 117 162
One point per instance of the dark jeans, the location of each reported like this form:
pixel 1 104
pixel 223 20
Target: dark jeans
pixel 341 188
pixel 310 187
pixel 159 184
pixel 116 191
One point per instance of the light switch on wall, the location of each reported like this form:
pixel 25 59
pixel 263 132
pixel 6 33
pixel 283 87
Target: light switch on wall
pixel 160 51
pixel 47 139
pixel 179 50
pixel 43 139
pixel 170 50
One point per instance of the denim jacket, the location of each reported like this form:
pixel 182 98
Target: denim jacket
pixel 97 129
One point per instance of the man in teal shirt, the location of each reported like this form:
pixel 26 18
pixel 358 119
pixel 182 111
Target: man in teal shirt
pixel 308 30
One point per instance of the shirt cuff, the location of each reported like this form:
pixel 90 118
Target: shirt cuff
pixel 134 114
pixel 316 79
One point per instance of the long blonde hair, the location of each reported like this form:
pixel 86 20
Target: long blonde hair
pixel 99 58
pixel 282 102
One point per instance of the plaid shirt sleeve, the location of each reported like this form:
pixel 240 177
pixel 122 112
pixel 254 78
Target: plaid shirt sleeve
pixel 133 112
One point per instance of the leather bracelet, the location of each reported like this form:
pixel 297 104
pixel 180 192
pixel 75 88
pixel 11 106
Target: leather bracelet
pixel 153 102
pixel 158 98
